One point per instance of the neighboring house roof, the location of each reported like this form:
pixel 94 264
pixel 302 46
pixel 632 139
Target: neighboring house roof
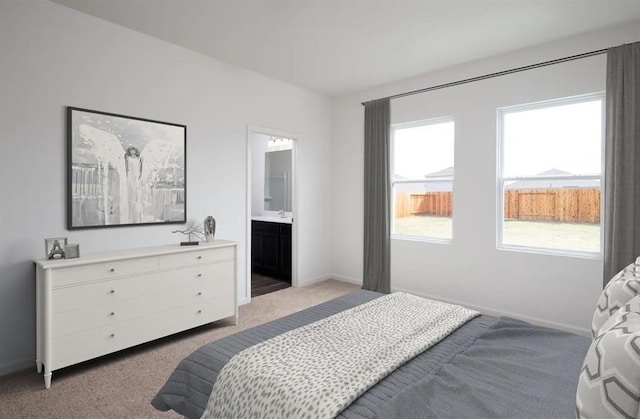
pixel 419 188
pixel 447 186
pixel 408 187
pixel 439 186
pixel 554 183
pixel 444 172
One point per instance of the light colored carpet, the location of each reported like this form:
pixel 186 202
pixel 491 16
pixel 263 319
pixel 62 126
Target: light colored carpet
pixel 122 385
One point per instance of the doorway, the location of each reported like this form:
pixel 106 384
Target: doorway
pixel 271 206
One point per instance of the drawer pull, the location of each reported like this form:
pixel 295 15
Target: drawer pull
pixel 200 293
pixel 199 275
pixel 112 313
pixel 112 292
pixel 112 270
pixel 199 311
pixel 199 257
pixel 112 335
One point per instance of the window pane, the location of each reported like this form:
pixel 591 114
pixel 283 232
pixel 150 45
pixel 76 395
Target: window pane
pixel 561 139
pixel 423 150
pixel 553 218
pixel 562 210
pixel 423 180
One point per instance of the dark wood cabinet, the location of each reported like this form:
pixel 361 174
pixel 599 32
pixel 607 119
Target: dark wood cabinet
pixel 285 252
pixel 271 249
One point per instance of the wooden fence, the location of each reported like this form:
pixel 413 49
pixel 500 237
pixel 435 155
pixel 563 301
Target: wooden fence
pixel 429 203
pixel 580 205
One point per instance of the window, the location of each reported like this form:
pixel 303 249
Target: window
pixel 422 183
pixel 550 175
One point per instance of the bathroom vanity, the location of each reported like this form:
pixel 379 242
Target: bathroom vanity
pixel 271 247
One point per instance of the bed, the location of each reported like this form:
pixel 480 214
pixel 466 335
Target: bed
pixel 486 368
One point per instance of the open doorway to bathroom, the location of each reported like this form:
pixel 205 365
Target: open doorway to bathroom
pixel 271 229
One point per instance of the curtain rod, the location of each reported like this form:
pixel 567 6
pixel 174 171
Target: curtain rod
pixel 497 74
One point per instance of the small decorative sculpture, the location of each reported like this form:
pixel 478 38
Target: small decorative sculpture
pixel 194 230
pixel 209 228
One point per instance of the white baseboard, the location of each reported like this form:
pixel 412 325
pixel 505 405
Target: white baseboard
pixel 485 310
pixel 314 280
pixel 22 365
pixel 347 279
pixel 336 277
pixel 496 313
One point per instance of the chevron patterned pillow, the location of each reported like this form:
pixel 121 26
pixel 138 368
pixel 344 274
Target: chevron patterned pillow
pixel 609 382
pixel 623 287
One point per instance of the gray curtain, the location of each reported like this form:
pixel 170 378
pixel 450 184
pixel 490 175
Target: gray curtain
pixel 622 159
pixel 377 198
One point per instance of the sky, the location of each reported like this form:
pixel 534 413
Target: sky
pixel 422 150
pixel 567 137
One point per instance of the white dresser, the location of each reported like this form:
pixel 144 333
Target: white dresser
pixel 104 302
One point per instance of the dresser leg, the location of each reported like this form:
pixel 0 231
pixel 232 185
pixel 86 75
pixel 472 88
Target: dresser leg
pixel 38 365
pixel 47 380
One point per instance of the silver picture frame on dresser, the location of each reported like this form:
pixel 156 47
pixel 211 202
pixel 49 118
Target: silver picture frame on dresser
pixel 72 251
pixel 54 247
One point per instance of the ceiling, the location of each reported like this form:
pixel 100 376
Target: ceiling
pixel 338 46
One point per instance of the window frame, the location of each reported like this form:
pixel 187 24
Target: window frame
pixel 501 179
pixel 393 182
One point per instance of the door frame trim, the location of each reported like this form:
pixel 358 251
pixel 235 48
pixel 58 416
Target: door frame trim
pixel 257 130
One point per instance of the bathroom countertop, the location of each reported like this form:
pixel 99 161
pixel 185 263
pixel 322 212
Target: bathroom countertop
pixel 273 219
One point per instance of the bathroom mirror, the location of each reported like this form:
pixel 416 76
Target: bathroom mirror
pixel 277 180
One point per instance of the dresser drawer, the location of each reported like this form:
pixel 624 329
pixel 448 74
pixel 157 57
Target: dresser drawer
pixel 104 270
pixel 123 290
pixel 76 321
pixel 222 274
pixel 196 257
pixel 78 347
pixel 105 292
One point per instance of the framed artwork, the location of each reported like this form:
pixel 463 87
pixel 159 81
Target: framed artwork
pixel 124 171
pixel 72 251
pixel 54 247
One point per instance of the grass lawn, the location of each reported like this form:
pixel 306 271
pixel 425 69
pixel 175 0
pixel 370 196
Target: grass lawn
pixel 424 226
pixel 583 237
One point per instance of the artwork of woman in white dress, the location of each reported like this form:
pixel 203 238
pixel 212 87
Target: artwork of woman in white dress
pixel 125 171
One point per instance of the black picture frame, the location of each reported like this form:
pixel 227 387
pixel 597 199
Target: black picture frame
pixel 124 171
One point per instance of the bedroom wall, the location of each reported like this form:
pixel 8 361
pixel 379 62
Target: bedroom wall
pixel 54 57
pixel 554 290
pixel 258 150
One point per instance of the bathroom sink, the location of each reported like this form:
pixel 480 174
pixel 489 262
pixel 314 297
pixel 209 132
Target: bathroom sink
pixel 273 219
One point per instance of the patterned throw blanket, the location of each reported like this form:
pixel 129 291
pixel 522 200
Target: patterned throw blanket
pixel 317 370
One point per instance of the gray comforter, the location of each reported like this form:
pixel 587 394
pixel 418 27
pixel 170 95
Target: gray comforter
pixel 488 368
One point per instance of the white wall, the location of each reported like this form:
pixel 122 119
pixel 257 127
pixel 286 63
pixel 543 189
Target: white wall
pixel 555 290
pixel 53 57
pixel 258 149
